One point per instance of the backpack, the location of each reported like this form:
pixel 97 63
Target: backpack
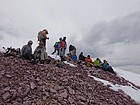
pixel 56 44
pixel 74 58
pixel 62 44
pixel 40 36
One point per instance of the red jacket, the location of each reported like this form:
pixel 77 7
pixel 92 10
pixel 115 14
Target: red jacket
pixel 62 44
pixel 88 60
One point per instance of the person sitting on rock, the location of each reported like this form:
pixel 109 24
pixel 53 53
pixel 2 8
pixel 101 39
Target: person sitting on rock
pixel 88 61
pixel 97 63
pixel 107 67
pixel 82 57
pixel 40 53
pixel 72 50
pixel 74 58
pixel 26 51
pixel 72 53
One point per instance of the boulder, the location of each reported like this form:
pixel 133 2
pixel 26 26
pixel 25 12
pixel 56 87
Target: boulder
pixel 6 96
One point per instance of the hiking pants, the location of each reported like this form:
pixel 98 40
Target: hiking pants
pixel 28 56
pixel 55 51
pixel 44 42
pixel 43 56
pixel 62 52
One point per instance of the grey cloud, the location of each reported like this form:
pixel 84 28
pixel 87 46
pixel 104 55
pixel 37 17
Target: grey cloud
pixel 125 30
pixel 120 31
pixel 8 31
pixel 1 37
pixel 126 62
pixel 118 41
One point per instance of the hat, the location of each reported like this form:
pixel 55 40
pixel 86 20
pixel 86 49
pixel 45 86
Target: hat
pixel 60 38
pixel 46 31
pixel 64 37
pixel 30 42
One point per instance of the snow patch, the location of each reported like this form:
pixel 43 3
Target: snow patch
pixel 72 65
pixel 56 57
pixel 132 77
pixel 132 91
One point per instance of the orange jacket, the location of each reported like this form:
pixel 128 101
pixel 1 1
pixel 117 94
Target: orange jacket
pixel 88 60
pixel 62 44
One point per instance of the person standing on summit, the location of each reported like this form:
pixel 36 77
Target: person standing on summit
pixel 63 49
pixel 42 36
pixel 64 45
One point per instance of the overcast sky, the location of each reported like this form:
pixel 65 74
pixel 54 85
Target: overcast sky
pixel 108 29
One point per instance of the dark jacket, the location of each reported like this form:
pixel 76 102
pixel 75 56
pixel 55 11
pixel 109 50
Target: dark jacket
pixel 71 48
pixel 82 57
pixel 26 49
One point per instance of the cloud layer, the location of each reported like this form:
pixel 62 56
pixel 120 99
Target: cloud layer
pixel 117 41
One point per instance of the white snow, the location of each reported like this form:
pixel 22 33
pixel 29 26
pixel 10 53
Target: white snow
pixel 132 91
pixel 72 65
pixel 132 77
pixel 56 57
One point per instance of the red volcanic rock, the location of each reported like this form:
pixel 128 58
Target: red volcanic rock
pixel 32 85
pixel 71 91
pixel 22 83
pixel 64 93
pixel 6 96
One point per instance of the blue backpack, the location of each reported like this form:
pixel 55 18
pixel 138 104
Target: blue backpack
pixel 74 58
pixel 58 45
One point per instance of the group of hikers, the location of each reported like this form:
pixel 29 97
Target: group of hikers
pixel 40 54
pixel 96 63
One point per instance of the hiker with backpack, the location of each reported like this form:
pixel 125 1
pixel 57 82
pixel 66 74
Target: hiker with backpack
pixel 26 51
pixel 65 44
pixel 107 67
pixel 42 36
pixel 62 49
pixel 74 58
pixel 72 53
pixel 57 46
pixel 40 54
pixel 72 50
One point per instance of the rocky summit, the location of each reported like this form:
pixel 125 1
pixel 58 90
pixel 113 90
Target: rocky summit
pixel 22 83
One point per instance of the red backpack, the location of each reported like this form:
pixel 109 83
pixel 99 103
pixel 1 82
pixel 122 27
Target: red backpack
pixel 62 44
